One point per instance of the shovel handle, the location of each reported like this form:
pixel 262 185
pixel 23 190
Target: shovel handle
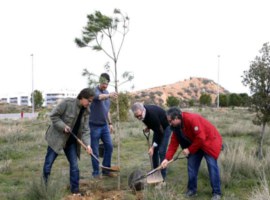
pixel 83 145
pixel 148 143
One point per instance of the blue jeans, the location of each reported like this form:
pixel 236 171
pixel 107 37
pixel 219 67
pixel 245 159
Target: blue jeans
pixel 194 161
pixel 74 174
pixel 103 133
pixel 160 151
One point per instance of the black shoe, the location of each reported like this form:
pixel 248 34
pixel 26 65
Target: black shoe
pixel 190 193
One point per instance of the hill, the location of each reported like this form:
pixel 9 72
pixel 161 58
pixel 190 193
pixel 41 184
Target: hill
pixel 189 89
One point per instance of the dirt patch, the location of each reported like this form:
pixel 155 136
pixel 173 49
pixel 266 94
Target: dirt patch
pixel 97 190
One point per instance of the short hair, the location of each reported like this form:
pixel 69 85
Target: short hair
pixel 86 93
pixel 137 106
pixel 174 112
pixel 104 77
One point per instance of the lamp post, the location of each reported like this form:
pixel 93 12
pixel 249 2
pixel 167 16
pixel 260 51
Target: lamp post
pixel 218 82
pixel 33 100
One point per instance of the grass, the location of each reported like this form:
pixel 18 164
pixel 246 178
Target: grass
pixel 23 148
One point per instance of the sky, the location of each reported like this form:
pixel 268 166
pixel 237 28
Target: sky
pixel 168 41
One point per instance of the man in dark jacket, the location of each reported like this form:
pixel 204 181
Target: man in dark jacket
pixel 155 119
pixel 198 138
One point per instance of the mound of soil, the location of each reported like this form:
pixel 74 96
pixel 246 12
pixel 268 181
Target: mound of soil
pixel 96 190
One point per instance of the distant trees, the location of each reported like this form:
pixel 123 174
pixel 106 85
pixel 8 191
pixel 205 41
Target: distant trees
pixel 257 78
pixel 233 100
pixel 205 99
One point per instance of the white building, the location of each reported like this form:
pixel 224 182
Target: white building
pixel 21 100
pixel 50 98
pixel 4 100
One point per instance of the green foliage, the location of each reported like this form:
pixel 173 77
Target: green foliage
pixel 91 78
pixel 258 80
pixel 172 101
pixel 124 105
pixel 38 98
pixel 99 27
pixel 191 103
pixel 245 99
pixel 234 100
pixel 205 99
pixel 38 190
pixel 223 100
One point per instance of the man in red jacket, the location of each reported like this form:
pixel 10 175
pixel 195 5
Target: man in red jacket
pixel 198 138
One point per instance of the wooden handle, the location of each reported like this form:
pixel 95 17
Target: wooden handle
pixel 83 145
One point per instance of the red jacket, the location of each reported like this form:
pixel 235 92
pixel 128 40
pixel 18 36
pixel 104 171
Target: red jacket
pixel 202 134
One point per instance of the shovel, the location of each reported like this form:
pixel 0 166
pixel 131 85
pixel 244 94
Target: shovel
pixel 111 169
pixel 159 167
pixel 155 177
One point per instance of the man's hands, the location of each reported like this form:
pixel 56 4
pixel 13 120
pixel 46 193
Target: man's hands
pixel 113 95
pixel 164 163
pixel 111 128
pixel 89 150
pixel 151 151
pixel 146 130
pixel 67 129
pixel 185 152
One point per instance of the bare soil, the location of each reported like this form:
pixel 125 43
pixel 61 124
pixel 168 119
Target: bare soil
pixel 96 190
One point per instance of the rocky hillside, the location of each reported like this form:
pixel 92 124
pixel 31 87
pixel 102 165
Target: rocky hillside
pixel 189 89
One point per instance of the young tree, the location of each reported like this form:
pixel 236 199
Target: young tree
pixel 102 33
pixel 38 99
pixel 257 78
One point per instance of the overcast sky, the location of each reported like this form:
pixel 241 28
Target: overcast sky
pixel 168 41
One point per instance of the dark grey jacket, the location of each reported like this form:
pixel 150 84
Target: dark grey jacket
pixel 66 113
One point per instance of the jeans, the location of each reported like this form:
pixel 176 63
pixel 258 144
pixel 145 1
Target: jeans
pixel 103 133
pixel 194 161
pixel 71 154
pixel 160 151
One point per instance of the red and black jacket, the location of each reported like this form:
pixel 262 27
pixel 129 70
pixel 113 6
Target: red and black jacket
pixel 202 134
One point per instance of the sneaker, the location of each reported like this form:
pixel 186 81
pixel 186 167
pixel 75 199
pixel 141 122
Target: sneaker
pixel 160 185
pixel 216 197
pixel 190 193
pixel 76 194
pixel 110 174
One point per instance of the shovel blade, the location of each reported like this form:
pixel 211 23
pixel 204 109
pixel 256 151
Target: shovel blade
pixel 111 169
pixel 156 177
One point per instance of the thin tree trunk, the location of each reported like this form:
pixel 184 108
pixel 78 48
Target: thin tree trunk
pixel 260 148
pixel 117 124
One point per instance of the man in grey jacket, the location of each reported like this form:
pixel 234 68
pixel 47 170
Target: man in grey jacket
pixel 70 115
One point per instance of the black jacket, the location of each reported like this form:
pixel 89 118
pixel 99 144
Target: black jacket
pixel 156 120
